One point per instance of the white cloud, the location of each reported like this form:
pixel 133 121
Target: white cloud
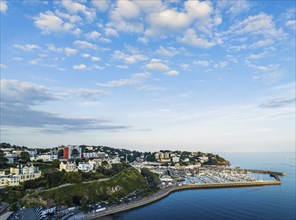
pixel 270 67
pixel 234 7
pixel 93 35
pixel 120 24
pixel 122 66
pixel 168 52
pixel 134 79
pixel 71 18
pixel 52 47
pixel 128 9
pixel 97 67
pixel 172 73
pixel 166 21
pixel 67 50
pixel 117 83
pixel 79 67
pixel 95 59
pixel 150 88
pixel 130 59
pixel 35 61
pixel 257 56
pixel 85 55
pixel 3 6
pixel 49 22
pixel 26 47
pixel 2 66
pixel 101 5
pixel 262 43
pixel 221 64
pixel 291 24
pixel 197 9
pixel 156 64
pixel 84 45
pixel 111 32
pixel 190 38
pixel 169 20
pixel 269 77
pixel 75 7
pixel 203 63
pixel 261 24
pixel 92 94
pixel 70 51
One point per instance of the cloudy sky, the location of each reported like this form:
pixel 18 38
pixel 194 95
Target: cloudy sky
pixel 147 75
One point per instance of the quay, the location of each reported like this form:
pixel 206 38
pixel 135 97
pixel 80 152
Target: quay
pixel 165 192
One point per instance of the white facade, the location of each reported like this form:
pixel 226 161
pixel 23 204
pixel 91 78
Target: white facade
pixel 85 167
pixel 19 174
pixel 175 159
pixel 68 167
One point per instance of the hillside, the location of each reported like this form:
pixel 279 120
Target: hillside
pixel 125 183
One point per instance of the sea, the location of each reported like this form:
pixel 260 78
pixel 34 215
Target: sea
pixel 262 202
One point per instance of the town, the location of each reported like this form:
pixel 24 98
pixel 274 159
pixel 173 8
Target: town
pixel 51 183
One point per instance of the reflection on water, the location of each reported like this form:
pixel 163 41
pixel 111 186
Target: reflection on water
pixel 268 202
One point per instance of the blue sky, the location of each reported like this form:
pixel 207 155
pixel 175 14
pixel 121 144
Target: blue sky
pixel 191 75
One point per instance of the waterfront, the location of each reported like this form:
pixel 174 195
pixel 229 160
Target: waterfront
pixel 268 202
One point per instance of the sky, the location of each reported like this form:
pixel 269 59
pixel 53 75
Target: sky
pixel 212 76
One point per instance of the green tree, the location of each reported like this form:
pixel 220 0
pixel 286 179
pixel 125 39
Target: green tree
pixel 3 159
pixel 56 163
pixel 25 156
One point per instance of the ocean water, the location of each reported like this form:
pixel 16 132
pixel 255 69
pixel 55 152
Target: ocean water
pixel 264 202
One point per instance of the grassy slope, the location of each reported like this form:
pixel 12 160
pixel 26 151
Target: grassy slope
pixel 126 182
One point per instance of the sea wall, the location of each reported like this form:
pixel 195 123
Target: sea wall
pixel 165 192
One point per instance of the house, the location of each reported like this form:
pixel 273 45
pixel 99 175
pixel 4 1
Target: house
pixel 85 167
pixel 68 166
pixel 19 174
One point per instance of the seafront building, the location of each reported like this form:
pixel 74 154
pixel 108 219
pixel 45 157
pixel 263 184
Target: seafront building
pixel 19 174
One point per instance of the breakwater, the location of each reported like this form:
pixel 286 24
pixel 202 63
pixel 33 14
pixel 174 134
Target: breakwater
pixel 165 192
pixel 259 171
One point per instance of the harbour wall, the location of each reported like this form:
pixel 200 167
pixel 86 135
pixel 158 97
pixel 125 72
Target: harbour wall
pixel 165 192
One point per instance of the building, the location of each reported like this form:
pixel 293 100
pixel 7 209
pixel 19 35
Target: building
pixel 11 157
pixel 32 153
pixel 175 159
pixel 68 166
pixel 203 159
pixel 85 167
pixel 45 157
pixel 26 172
pixel 72 152
pixel 9 180
pixel 19 174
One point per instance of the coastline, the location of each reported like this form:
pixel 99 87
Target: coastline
pixel 165 192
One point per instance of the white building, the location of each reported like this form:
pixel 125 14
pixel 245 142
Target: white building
pixel 203 159
pixel 175 159
pixel 19 174
pixel 85 167
pixel 32 153
pixel 68 166
pixel 11 157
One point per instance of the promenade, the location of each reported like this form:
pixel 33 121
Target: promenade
pixel 165 192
